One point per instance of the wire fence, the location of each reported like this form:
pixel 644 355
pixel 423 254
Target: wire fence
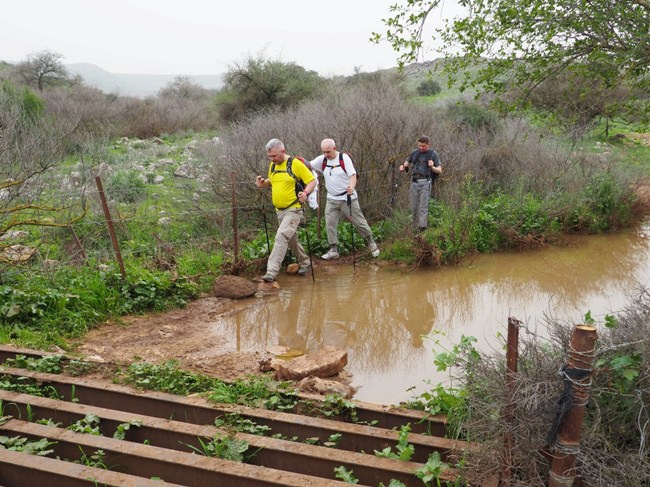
pixel 196 219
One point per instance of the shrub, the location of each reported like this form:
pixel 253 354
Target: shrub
pixel 259 84
pixel 362 119
pixel 616 414
pixel 126 186
pixel 468 115
pixel 428 87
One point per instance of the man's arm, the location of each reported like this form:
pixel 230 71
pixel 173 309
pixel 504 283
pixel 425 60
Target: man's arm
pixel 434 163
pixel 302 196
pixel 352 184
pixel 404 166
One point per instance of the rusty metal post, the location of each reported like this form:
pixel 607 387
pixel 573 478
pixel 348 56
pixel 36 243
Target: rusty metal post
pixel 578 372
pixel 234 217
pixel 512 356
pixel 111 229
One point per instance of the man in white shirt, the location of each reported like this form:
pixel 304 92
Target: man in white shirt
pixel 340 181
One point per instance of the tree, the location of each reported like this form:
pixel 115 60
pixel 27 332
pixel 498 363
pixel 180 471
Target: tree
pixel 43 68
pixel 260 83
pixel 523 42
pixel 428 87
pixel 182 88
pixel 30 146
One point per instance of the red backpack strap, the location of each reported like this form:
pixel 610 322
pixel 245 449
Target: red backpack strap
pixel 341 163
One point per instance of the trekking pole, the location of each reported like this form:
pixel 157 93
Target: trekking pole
pixel 266 228
pixel 354 262
pixel 311 264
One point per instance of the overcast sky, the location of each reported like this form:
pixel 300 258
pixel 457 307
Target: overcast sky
pixel 198 36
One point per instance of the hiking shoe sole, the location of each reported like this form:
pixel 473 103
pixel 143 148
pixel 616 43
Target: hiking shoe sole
pixel 330 255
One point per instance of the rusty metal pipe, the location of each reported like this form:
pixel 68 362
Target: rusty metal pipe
pixel 567 443
pixel 512 356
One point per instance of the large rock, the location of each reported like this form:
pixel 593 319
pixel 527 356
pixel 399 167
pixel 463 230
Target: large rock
pixel 233 287
pixel 324 363
pixel 18 253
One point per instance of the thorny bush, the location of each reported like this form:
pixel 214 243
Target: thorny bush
pixel 617 422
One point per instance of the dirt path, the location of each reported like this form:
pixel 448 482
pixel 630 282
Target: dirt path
pixel 184 335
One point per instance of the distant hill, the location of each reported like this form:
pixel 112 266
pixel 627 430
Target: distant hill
pixel 140 85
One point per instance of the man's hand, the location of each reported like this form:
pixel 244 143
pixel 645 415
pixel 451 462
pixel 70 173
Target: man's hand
pixel 260 182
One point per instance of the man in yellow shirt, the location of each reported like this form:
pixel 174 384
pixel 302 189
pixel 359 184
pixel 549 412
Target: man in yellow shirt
pixel 282 176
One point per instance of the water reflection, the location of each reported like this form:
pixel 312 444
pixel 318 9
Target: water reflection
pixel 385 317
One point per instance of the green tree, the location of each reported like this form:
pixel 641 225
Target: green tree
pixel 428 87
pixel 260 83
pixel 523 42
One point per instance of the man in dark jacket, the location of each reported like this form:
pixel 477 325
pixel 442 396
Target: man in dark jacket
pixel 426 167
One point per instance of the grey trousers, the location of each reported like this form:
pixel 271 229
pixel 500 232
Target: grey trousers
pixel 420 192
pixel 335 209
pixel 286 237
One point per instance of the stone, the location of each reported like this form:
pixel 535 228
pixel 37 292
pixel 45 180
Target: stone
pixel 325 363
pixel 18 253
pixel 267 287
pixel 184 171
pixel 316 385
pixel 293 268
pixel 233 287
pixel 14 235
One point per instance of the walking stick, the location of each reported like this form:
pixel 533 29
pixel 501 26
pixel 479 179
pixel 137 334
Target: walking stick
pixel 266 228
pixel 354 262
pixel 313 274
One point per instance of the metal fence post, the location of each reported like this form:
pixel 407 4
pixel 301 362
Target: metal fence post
pixel 512 356
pixel 234 218
pixel 111 229
pixel 577 377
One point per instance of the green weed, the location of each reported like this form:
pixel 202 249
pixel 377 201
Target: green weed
pixel 167 377
pixel 95 460
pixel 226 448
pixel 432 470
pixel 345 475
pixel 405 450
pixel 122 428
pixel 244 425
pixel 89 425
pixel 33 447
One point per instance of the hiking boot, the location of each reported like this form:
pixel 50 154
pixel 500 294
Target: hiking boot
pixel 374 250
pixel 268 277
pixel 331 254
pixel 304 270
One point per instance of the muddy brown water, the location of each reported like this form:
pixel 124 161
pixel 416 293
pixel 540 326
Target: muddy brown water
pixel 389 319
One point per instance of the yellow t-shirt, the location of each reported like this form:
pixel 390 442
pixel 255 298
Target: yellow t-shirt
pixel 283 186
